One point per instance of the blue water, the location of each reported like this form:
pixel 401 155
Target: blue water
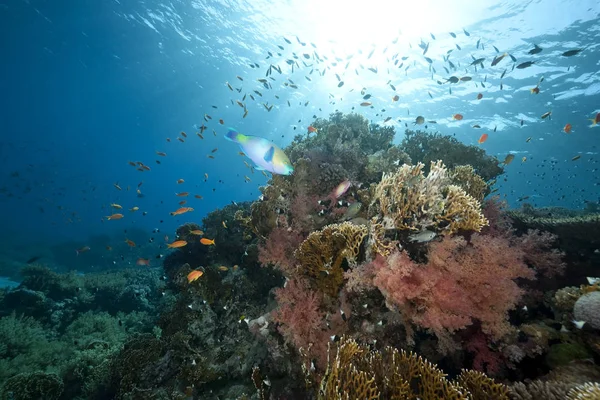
pixel 89 85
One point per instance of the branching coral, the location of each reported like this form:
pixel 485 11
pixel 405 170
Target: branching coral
pixel 321 255
pixel 465 177
pixel 409 200
pixel 481 386
pixel 357 372
pixel 460 283
pixel 587 391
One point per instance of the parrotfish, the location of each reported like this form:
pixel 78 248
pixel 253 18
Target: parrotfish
pixel 265 154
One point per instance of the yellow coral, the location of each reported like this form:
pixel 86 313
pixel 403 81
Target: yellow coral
pixel 409 200
pixel 462 212
pixel 360 373
pixel 320 256
pixel 587 391
pixel 379 243
pixel 465 177
pixel 481 386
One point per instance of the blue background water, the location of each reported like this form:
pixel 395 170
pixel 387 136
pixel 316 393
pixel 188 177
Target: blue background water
pixel 88 86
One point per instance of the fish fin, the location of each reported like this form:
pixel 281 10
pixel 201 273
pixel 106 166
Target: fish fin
pixel 258 167
pixel 269 154
pixel 593 120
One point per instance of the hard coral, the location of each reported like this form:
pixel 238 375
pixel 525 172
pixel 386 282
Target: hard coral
pixel 587 391
pixel 587 308
pixel 37 385
pixel 358 372
pixel 409 200
pixel 465 177
pixel 321 255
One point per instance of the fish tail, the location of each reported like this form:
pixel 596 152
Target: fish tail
pixel 593 121
pixel 77 252
pixel 234 136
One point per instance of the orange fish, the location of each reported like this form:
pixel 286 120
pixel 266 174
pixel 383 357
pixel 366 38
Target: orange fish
pixel 182 194
pixel 82 250
pixel 457 117
pixel 483 138
pixel 198 196
pixel 479 96
pixel 312 129
pixel 160 153
pixel 182 210
pixel 195 274
pixel 596 120
pixel 567 128
pixel 180 181
pixel 182 202
pixel 396 98
pixel 130 243
pixel 223 268
pixel 535 90
pixel 365 103
pixel 114 216
pixel 143 261
pixel 207 242
pixel 197 232
pixel 177 244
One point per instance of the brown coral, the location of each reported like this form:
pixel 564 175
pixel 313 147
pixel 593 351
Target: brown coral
pixel 357 372
pixel 465 177
pixel 320 256
pixel 587 391
pixel 481 386
pixel 409 200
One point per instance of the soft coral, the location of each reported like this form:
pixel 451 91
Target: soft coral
pixel 461 283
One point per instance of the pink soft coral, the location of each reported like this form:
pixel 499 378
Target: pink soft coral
pixel 539 253
pixel 461 283
pixel 499 223
pixel 278 250
pixel 301 321
pixel 484 359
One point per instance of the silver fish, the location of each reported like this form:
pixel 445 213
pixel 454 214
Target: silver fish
pixel 422 237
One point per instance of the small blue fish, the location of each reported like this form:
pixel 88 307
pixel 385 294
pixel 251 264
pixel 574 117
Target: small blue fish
pixel 265 154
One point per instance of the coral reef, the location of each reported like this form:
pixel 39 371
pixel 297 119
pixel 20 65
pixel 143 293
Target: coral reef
pixel 587 308
pixel 315 289
pixel 357 372
pixel 425 147
pixel 36 385
pixel 411 200
pixel 321 255
pixel 460 284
